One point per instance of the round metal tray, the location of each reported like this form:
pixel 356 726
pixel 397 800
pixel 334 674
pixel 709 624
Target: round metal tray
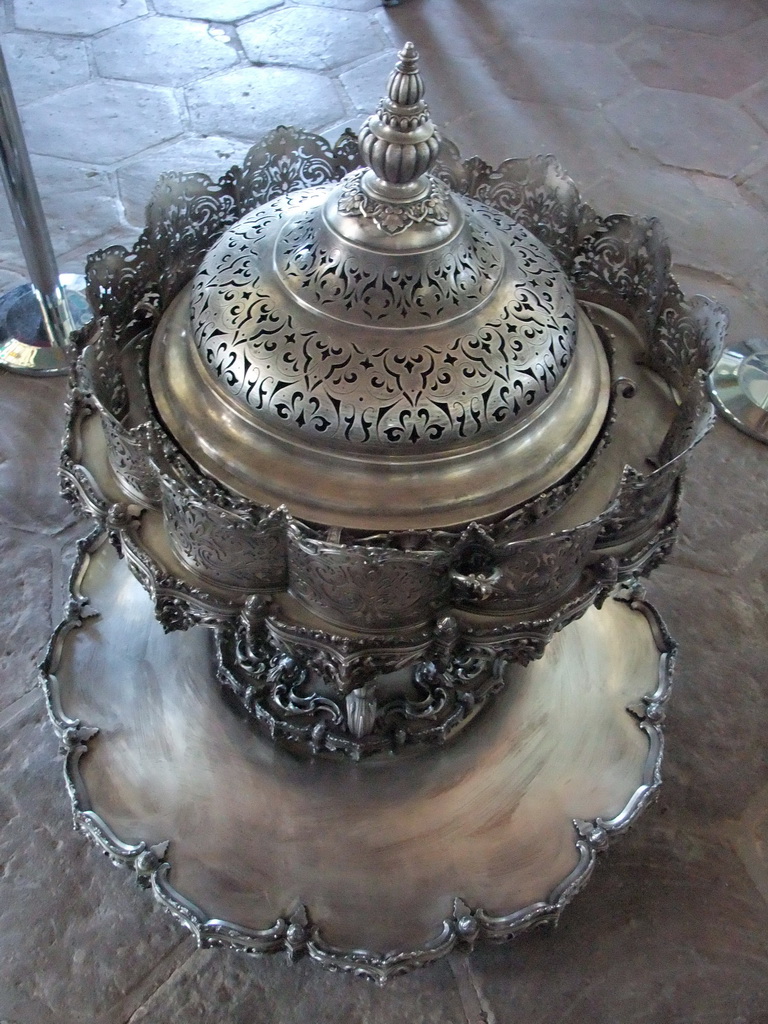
pixel 376 867
pixel 739 387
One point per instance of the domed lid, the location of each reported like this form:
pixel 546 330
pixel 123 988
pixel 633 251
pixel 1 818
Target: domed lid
pixel 367 352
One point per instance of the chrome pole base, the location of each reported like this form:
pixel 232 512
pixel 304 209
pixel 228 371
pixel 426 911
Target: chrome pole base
pixel 739 387
pixel 24 337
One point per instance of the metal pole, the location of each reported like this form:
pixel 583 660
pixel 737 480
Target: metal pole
pixel 20 353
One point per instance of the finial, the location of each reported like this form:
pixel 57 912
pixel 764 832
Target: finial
pixel 399 143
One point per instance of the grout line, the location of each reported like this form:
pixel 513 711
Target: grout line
pixel 19 708
pixel 746 844
pixel 477 1009
pixel 151 983
pixel 752 862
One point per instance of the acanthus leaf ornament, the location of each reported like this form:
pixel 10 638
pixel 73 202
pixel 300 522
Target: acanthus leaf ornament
pixel 393 218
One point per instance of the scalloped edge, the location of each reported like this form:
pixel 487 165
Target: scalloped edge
pixel 294 933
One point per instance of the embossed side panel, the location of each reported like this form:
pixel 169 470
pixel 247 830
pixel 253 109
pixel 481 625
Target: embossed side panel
pixel 367 588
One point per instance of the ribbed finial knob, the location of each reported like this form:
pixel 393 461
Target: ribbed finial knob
pixel 400 143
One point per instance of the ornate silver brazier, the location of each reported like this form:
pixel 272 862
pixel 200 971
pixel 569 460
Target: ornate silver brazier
pixel 362 436
pixel 388 421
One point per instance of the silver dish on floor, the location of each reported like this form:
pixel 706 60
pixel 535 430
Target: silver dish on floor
pixel 392 436
pixel 370 868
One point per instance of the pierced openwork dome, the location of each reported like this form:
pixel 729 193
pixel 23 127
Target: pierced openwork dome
pixel 382 352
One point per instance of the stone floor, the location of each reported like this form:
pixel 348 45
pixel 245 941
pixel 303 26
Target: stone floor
pixel 654 106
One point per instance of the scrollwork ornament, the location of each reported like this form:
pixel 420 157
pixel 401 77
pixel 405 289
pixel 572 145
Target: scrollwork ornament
pixel 288 159
pixel 338 281
pixel 178 603
pixel 534 192
pixel 321 695
pixel 625 262
pixel 220 536
pixel 240 551
pixel 334 388
pixel 687 338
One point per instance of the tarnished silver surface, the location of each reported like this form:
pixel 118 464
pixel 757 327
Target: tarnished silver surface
pixel 641 497
pixel 220 539
pixel 377 491
pixel 377 443
pixel 641 426
pixel 399 143
pixel 382 370
pixel 458 343
pixel 111 381
pixel 364 608
pixel 367 587
pixel 362 870
pixel 521 574
pixel 739 387
pixel 371 693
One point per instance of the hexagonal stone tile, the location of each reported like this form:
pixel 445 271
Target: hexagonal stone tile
pixel 33 423
pixel 136 179
pixel 669 929
pixel 12 260
pixel 724 531
pixel 162 51
pixel 67 909
pixel 753 40
pixel 562 73
pixel 310 37
pixel 591 21
pixel 708 224
pixel 721 624
pixel 39 65
pixel 716 16
pixel 367 83
pixel 548 71
pixel 248 102
pixel 454 87
pixel 455 30
pixel 79 202
pixel 587 146
pixel 9 279
pixel 697 132
pixel 73 17
pixel 750 839
pixel 113 120
pixel 670 59
pixel 214 10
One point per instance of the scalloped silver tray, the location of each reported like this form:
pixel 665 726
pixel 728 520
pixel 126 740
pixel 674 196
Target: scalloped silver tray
pixel 374 867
